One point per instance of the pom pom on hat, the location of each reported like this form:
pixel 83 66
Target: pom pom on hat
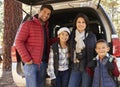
pixel 63 29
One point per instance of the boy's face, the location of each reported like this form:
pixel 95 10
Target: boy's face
pixel 102 49
pixel 63 36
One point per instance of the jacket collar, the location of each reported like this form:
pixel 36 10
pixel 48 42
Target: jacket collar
pixel 107 55
pixel 35 19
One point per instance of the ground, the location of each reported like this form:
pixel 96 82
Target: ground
pixel 6 78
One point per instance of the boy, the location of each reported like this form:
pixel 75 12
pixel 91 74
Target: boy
pixel 103 65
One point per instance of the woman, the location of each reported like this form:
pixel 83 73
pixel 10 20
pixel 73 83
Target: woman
pixel 82 50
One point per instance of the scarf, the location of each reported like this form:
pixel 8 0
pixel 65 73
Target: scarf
pixel 79 37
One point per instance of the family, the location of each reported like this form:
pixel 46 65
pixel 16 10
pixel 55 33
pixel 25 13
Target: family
pixel 72 59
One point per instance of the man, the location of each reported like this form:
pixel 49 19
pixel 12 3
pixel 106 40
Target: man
pixel 32 43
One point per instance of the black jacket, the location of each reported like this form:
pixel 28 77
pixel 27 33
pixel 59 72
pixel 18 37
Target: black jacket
pixel 55 49
pixel 90 42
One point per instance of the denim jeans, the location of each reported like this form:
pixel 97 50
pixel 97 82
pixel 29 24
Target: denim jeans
pixel 79 79
pixel 42 75
pixel 62 78
pixel 35 75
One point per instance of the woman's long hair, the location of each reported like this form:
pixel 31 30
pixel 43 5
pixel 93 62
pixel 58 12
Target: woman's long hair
pixel 74 23
pixel 84 17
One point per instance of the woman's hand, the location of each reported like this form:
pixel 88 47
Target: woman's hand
pixel 76 60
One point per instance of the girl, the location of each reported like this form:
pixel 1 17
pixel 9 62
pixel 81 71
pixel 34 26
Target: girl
pixel 58 66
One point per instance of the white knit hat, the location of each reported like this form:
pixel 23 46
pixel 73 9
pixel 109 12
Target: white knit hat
pixel 63 29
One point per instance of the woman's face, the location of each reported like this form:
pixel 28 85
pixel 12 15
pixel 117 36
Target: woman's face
pixel 81 24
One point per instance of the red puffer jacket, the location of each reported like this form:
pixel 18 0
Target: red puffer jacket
pixel 30 41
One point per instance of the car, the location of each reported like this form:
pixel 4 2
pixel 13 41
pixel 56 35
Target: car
pixel 63 15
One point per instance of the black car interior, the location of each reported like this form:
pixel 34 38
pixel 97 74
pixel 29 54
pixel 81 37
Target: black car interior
pixel 66 17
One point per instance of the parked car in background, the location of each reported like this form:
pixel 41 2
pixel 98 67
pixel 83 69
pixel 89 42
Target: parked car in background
pixel 64 14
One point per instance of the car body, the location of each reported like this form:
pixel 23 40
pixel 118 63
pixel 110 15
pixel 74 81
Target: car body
pixel 64 14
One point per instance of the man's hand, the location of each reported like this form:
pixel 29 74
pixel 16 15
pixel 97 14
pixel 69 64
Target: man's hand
pixel 30 62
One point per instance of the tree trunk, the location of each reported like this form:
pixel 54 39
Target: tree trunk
pixel 12 19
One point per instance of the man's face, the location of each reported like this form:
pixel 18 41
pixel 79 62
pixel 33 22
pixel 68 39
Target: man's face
pixel 44 14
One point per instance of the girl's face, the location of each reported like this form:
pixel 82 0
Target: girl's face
pixel 63 36
pixel 81 24
pixel 102 49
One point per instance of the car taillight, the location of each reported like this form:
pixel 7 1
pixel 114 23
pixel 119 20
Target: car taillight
pixel 116 46
pixel 13 54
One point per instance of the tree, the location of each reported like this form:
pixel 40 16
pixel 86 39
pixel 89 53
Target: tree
pixel 12 19
pixel 113 9
pixel 1 22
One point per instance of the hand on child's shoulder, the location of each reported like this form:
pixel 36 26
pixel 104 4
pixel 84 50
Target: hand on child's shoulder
pixel 115 60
